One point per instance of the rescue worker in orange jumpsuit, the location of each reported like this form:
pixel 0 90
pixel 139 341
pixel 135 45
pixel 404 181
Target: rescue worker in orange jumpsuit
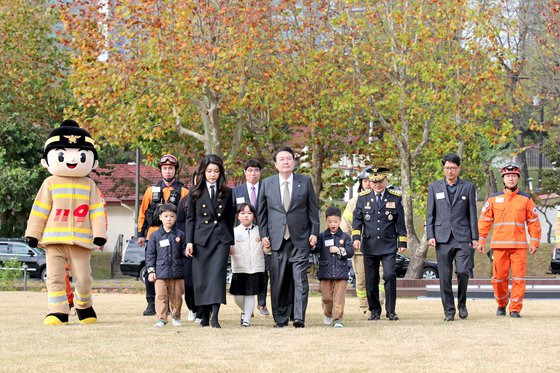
pixel 168 190
pixel 509 211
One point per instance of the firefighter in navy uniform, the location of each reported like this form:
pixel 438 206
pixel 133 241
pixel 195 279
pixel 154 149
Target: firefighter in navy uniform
pixel 168 190
pixel 378 231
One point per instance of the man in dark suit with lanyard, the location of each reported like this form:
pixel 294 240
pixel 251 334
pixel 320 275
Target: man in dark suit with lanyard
pixel 451 226
pixel 378 230
pixel 248 192
pixel 289 224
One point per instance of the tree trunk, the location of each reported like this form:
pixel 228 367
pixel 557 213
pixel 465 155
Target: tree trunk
pixel 522 155
pixel 317 158
pixel 414 245
pixel 491 184
pixel 209 110
pixel 416 265
pixel 517 126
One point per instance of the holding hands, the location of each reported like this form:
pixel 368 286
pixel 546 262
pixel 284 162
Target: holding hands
pixel 334 250
pixel 312 240
pixel 266 242
pixel 189 249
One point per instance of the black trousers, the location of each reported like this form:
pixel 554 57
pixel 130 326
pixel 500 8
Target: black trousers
pixel 150 291
pixel 261 297
pixel 289 288
pixel 463 255
pixel 371 266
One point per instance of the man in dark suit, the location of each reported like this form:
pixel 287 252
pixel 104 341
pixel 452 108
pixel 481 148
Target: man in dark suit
pixel 289 225
pixel 378 230
pixel 451 226
pixel 249 192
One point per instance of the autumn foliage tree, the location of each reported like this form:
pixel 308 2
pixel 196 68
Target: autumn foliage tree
pixel 146 70
pixel 310 78
pixel 413 61
pixel 33 94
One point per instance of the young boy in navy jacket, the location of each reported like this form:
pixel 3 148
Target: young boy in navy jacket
pixel 334 248
pixel 165 263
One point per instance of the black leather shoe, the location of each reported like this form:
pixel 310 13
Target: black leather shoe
pixel 463 312
pixel 216 325
pixel 373 317
pixel 204 322
pixel 150 309
pixel 278 326
pixel 393 316
pixel 449 318
pixel 299 324
pixel 514 314
pixel 501 311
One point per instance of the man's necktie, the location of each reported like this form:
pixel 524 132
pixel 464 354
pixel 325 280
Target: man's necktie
pixel 286 203
pixel 378 201
pixel 253 196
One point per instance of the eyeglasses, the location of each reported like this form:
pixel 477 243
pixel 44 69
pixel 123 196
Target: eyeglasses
pixel 450 168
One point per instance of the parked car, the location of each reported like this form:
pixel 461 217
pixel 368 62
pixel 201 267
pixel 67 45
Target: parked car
pixel 555 261
pixel 430 270
pixel 34 257
pixel 133 261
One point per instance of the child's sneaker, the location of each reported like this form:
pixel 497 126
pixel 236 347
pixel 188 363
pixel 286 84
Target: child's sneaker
pixel 177 322
pixel 160 324
pixel 338 324
pixel 327 320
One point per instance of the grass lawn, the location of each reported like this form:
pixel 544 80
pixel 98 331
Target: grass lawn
pixel 123 340
pixel 101 265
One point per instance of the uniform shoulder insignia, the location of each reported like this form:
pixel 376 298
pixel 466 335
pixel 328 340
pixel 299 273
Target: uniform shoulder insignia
pixel 524 194
pixel 364 192
pixel 397 193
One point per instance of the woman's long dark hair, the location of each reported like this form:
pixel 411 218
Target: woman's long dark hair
pixel 200 178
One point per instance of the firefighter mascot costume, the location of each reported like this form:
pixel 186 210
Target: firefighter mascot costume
pixel 68 220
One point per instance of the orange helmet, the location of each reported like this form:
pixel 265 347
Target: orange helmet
pixel 511 168
pixel 168 159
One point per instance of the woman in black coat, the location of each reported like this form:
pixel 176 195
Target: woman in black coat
pixel 209 236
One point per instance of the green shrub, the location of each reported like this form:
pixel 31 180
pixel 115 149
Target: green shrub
pixel 10 272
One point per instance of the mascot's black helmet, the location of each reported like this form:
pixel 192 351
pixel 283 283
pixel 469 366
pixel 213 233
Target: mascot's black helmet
pixel 69 135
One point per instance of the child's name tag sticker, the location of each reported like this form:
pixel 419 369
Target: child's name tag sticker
pixel 499 199
pixel 440 195
pixel 390 205
pixel 164 243
pixel 329 243
pixel 156 189
pixel 240 238
pixel 240 200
